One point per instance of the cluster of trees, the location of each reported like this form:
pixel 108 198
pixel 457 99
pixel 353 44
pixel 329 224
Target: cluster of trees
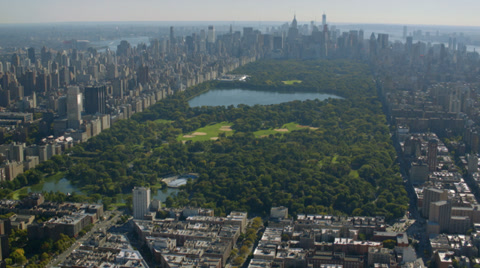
pixel 326 76
pixel 47 249
pixel 344 164
pixel 39 252
pixel 104 163
pixel 30 177
pixel 246 242
pixel 34 176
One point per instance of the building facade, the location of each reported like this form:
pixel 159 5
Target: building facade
pixel 141 202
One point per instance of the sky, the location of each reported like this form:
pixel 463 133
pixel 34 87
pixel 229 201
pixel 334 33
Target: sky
pixel 428 12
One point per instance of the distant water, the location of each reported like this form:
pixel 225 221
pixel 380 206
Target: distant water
pixel 112 44
pixel 395 32
pixel 52 185
pixel 226 97
pixel 163 194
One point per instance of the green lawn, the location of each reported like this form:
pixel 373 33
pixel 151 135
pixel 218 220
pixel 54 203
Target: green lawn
pixel 116 206
pixel 293 126
pixel 206 133
pixel 163 121
pixel 292 82
pixel 290 126
pixel 55 177
pixel 213 130
pixel 118 202
pixel 15 195
pixel 354 173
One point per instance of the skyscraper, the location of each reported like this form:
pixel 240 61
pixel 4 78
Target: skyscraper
pixel 326 40
pixel 409 44
pixel 31 54
pixel 45 56
pixel 124 49
pixel 247 31
pixel 30 80
pixel 42 84
pixel 141 201
pixel 324 19
pixel 211 34
pixel 472 163
pixel 432 154
pixel 172 35
pixel 95 98
pixel 74 107
pixel 382 40
pixel 294 22
pixel 278 42
pixel 440 212
pixel 142 74
pixel 293 30
pixel 15 60
pixel 373 45
pixel 431 195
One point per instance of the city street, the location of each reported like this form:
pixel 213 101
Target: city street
pixel 102 225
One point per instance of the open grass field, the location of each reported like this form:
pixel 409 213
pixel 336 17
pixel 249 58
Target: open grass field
pixel 285 128
pixel 209 132
pixel 292 82
pixel 163 121
pixel 354 173
pixel 333 160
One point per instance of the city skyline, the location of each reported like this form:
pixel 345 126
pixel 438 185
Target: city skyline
pixel 427 12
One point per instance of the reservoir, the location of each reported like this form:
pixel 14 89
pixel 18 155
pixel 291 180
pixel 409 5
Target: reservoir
pixel 236 96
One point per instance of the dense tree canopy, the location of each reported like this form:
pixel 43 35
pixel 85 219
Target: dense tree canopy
pixel 344 163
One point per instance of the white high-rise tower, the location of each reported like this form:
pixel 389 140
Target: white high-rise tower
pixel 74 107
pixel 211 34
pixel 141 202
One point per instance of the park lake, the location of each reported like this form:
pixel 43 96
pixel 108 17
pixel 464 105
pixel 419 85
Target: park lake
pixel 236 96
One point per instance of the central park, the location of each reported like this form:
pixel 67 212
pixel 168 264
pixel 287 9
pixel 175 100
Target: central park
pixel 331 155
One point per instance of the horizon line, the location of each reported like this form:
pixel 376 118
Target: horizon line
pixel 223 21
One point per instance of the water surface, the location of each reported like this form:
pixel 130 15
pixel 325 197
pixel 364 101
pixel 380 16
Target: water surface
pixel 54 185
pixel 112 44
pixel 226 97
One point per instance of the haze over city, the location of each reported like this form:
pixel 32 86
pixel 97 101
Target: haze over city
pixel 431 12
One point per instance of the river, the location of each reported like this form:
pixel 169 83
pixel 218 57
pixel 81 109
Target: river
pixel 112 44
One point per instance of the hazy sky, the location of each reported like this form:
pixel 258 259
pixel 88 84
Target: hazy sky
pixel 439 12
